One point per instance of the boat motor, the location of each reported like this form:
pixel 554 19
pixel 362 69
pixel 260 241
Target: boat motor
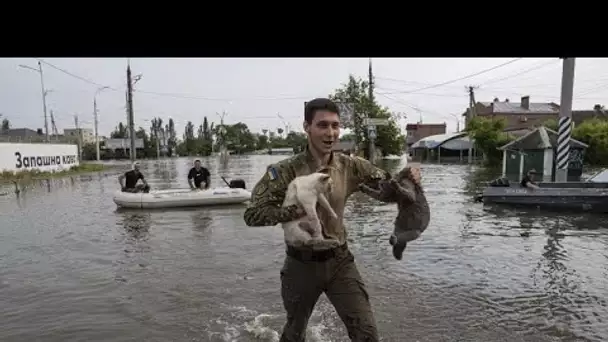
pixel 237 183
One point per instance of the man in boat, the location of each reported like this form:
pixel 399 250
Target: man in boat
pixel 128 180
pixel 528 180
pixel 198 175
pixel 306 273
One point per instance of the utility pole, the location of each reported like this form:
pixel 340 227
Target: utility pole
pixel 97 121
pixel 370 76
pixel 222 131
pixel 96 125
pixel 371 129
pixel 46 122
pixel 54 127
pixel 133 152
pixel 565 121
pixel 44 92
pixel 470 115
pixel 79 137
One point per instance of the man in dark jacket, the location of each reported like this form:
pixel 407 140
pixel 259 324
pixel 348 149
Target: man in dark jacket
pixel 198 175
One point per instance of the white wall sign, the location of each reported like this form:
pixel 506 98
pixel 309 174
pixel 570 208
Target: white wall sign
pixel 43 157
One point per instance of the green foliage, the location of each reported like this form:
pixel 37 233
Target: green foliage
pixel 6 125
pixel 593 132
pixel 356 92
pixel 120 132
pixel 551 124
pixel 489 136
pixel 24 176
pixel 237 139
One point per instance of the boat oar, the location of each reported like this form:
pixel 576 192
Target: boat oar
pixel 225 181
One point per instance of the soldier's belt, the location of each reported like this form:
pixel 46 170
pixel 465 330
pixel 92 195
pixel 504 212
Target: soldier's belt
pixel 307 254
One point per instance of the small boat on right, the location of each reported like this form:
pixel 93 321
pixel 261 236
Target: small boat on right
pixel 589 196
pixel 536 151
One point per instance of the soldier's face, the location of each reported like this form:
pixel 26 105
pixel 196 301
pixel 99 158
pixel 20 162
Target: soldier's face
pixel 324 131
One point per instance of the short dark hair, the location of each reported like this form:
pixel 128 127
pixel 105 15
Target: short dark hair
pixel 197 161
pixel 312 107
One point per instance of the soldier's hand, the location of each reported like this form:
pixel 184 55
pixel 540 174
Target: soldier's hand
pixel 416 174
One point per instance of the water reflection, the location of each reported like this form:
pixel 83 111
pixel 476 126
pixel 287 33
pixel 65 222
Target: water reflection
pixel 135 224
pixel 201 221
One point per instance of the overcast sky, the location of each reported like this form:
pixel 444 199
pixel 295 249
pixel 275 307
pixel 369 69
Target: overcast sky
pixel 256 91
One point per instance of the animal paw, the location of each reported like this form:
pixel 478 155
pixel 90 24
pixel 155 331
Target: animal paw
pixel 392 240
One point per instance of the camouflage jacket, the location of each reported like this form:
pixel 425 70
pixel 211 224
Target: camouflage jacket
pixel 265 208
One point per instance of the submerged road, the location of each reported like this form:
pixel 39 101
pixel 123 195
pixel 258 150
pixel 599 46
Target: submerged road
pixel 74 268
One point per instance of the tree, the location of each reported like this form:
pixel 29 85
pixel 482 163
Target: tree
pixel 296 140
pixel 593 132
pixel 6 125
pixel 156 135
pixel 120 132
pixel 551 124
pixel 171 137
pixel 263 143
pixel 356 92
pixel 489 136
pixel 238 138
pixel 188 147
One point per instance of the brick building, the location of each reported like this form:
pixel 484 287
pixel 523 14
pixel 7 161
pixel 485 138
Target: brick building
pixel 526 114
pixel 418 131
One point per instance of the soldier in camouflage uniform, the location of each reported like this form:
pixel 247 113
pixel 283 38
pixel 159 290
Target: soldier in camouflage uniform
pixel 306 273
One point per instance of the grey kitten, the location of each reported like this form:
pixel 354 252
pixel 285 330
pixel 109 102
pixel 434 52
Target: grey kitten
pixel 414 212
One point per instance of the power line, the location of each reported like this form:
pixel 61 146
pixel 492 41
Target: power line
pixel 173 95
pixel 74 75
pixel 496 80
pixel 462 78
pixel 592 90
pixel 190 97
pixel 397 91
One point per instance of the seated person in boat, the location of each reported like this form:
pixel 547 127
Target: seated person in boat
pixel 128 180
pixel 528 180
pixel 198 175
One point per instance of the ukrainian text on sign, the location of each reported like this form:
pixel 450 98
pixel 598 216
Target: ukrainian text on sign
pixel 39 161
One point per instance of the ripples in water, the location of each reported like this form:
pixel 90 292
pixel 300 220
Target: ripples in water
pixel 76 268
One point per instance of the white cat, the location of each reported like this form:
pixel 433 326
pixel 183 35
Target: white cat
pixel 307 231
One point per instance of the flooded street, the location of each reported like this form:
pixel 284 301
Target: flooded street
pixel 74 268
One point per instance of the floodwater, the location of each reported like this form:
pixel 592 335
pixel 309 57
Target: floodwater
pixel 74 268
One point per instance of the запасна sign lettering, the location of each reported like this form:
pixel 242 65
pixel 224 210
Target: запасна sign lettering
pixel 36 161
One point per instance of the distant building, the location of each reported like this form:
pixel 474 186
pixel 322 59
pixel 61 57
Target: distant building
pixel 21 134
pixel 526 114
pixel 122 144
pixel 452 147
pixel 86 134
pixel 418 131
pixel 598 111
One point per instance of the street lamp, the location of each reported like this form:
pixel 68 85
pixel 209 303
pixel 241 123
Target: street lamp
pixel 39 70
pixel 99 90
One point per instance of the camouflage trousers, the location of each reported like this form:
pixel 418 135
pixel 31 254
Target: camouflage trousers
pixel 305 276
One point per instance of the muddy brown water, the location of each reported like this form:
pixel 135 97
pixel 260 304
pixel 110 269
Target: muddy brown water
pixel 74 268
